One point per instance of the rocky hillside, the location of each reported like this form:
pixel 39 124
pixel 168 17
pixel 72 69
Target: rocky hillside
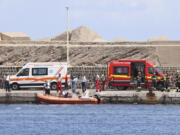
pixel 102 55
pixel 89 56
pixel 17 56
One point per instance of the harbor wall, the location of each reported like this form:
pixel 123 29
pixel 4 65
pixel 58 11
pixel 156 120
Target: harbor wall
pixel 109 97
pixel 18 98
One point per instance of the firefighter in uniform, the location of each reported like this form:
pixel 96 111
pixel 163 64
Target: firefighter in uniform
pixel 97 83
pixel 162 82
pixel 178 83
pixel 154 81
pixel 103 82
pixel 139 80
pixel 167 82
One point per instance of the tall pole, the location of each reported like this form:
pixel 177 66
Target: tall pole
pixel 67 43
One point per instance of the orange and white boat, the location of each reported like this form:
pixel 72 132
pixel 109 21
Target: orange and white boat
pixel 62 100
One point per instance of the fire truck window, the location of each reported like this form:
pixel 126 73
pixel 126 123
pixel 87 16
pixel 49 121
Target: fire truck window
pixel 39 71
pixel 152 71
pixel 121 70
pixel 24 72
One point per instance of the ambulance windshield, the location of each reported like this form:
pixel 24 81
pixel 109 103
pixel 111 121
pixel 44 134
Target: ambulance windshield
pixel 24 72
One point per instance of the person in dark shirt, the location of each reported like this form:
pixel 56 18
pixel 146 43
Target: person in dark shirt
pixel 167 82
pixel 139 81
pixel 154 81
pixel 178 82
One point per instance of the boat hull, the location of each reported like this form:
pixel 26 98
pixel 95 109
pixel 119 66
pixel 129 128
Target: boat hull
pixel 61 100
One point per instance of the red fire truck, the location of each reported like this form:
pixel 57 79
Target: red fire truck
pixel 122 73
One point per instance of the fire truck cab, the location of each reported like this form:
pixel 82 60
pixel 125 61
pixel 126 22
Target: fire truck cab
pixel 122 73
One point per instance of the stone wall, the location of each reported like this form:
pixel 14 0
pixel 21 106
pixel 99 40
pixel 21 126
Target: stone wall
pixel 7 71
pixel 16 53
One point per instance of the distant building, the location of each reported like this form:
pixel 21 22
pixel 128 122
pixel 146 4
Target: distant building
pixel 14 36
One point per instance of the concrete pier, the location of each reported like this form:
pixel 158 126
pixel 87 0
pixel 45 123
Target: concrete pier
pixel 109 97
pixel 142 97
pixel 18 97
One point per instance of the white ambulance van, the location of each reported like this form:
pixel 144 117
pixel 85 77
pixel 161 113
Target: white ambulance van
pixel 34 75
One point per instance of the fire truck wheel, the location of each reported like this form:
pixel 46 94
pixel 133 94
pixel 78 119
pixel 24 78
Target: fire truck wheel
pixel 15 86
pixel 54 86
pixel 121 87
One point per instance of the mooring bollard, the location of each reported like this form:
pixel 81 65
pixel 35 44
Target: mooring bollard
pixel 150 93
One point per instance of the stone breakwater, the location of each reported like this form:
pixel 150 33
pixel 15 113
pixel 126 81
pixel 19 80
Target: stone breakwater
pixel 16 53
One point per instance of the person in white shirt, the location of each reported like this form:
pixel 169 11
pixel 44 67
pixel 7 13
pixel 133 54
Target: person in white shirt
pixel 7 85
pixel 74 81
pixel 84 80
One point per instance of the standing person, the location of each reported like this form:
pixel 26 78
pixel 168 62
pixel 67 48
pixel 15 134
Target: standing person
pixel 47 87
pixel 103 81
pixel 97 83
pixel 7 85
pixel 167 82
pixel 171 80
pixel 162 82
pixel 66 82
pixel 59 84
pixel 139 80
pixel 74 81
pixel 177 83
pixel 154 81
pixel 84 82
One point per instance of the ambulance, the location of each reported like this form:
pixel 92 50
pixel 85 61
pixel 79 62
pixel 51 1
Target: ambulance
pixel 34 75
pixel 122 73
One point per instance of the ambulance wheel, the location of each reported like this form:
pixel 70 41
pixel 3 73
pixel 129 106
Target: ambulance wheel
pixel 15 86
pixel 54 86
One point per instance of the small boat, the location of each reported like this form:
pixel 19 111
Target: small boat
pixel 69 100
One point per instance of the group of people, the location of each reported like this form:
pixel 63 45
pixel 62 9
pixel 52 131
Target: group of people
pixel 48 85
pixel 99 83
pixel 167 81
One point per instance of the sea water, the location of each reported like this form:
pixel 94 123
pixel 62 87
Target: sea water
pixel 89 120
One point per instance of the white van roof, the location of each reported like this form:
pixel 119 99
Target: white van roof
pixel 45 64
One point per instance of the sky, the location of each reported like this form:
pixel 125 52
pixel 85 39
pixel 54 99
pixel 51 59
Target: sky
pixel 133 20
